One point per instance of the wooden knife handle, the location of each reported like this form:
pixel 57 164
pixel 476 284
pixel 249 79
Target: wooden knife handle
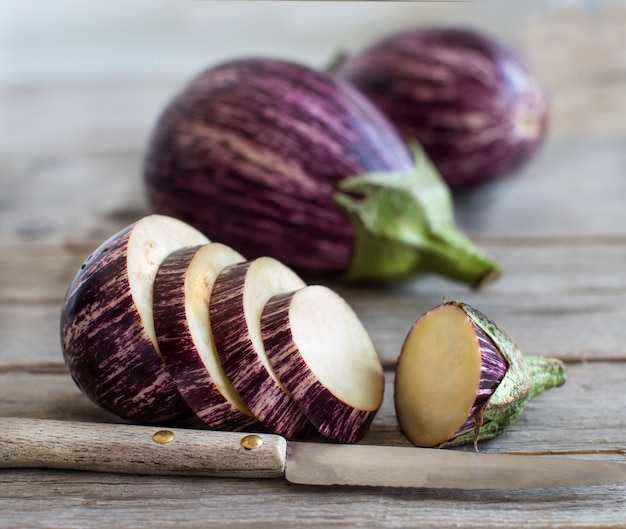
pixel 129 449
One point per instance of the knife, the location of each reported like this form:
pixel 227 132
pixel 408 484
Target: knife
pixel 130 449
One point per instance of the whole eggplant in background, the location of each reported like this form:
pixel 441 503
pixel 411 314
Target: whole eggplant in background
pixel 468 99
pixel 276 159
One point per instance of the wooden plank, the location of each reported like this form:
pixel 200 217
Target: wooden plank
pixel 578 327
pixel 47 396
pixel 104 116
pixel 29 336
pixel 36 273
pixel 71 499
pixel 573 189
pixel 584 415
pixel 69 198
pixel 60 187
pixel 579 54
pixel 563 299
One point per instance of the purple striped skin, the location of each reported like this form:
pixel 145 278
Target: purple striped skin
pixel 466 98
pixel 265 142
pixel 332 417
pixel 268 401
pixel 105 346
pixel 493 368
pixel 180 354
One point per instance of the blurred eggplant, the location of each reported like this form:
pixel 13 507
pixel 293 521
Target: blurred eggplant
pixel 276 159
pixel 467 98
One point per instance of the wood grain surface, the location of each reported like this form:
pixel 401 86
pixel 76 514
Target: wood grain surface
pixel 70 176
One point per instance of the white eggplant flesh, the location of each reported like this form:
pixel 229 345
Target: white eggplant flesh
pixel 438 376
pixel 324 357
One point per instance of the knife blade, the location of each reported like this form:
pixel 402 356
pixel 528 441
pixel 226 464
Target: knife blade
pixel 122 448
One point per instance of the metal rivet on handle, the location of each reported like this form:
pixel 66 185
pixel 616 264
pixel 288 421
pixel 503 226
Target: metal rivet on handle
pixel 163 436
pixel 251 442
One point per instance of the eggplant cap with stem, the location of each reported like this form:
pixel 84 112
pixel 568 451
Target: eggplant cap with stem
pixel 404 223
pixel 526 377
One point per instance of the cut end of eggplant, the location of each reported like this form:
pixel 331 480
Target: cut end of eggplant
pixel 152 239
pixel 325 358
pixel 438 376
pixel 460 379
pixel 107 327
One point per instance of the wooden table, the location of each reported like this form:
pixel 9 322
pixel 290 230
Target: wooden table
pixel 70 164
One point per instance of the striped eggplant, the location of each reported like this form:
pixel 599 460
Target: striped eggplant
pixel 470 101
pixel 107 331
pixel 237 300
pixel 324 357
pixel 460 379
pixel 276 159
pixel 182 290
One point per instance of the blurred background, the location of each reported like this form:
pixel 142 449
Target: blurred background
pixel 575 46
pixel 78 75
pixel 70 40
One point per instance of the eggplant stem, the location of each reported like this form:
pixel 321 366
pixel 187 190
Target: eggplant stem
pixel 404 222
pixel 545 373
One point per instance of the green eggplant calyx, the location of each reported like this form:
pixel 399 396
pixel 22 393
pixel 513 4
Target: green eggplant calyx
pixel 525 378
pixel 404 223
